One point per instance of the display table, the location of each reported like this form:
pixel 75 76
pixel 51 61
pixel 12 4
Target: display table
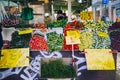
pixel 33 71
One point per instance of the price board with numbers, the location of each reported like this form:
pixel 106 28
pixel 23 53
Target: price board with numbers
pixel 86 16
pixel 73 37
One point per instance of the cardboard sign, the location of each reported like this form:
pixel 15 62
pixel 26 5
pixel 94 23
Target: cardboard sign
pixel 27 31
pixel 86 16
pixel 14 58
pixel 99 59
pixel 73 37
pixel 103 34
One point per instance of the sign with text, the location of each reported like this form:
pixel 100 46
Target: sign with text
pixel 26 31
pixel 14 58
pixel 99 59
pixel 86 16
pixel 73 37
pixel 105 1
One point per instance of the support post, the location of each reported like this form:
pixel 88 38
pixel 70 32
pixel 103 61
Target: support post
pixel 69 10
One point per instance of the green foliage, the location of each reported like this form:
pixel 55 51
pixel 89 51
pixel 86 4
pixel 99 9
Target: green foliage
pixel 57 69
pixel 20 41
pixel 57 23
pixel 100 42
pixel 55 41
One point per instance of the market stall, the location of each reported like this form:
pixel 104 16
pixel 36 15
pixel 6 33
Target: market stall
pixel 81 49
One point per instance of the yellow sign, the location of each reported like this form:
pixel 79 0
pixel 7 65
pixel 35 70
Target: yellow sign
pixel 14 58
pixel 99 59
pixel 103 34
pixel 27 31
pixel 86 16
pixel 73 37
pixel 72 40
pixel 118 20
pixel 46 1
pixel 73 33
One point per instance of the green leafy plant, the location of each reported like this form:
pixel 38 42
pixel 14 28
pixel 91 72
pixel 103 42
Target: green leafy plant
pixel 57 69
pixel 20 41
pixel 56 23
pixel 55 41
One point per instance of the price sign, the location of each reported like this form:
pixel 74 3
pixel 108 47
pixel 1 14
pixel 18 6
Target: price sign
pixel 86 16
pixel 99 59
pixel 14 58
pixel 73 37
pixel 27 31
pixel 103 34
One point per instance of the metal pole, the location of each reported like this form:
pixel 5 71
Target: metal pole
pixel 73 54
pixel 8 7
pixel 69 10
pixel 105 12
pixel 52 10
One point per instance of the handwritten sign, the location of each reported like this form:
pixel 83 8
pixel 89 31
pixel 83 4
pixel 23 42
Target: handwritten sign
pixel 14 58
pixel 103 34
pixel 99 59
pixel 73 37
pixel 27 31
pixel 86 16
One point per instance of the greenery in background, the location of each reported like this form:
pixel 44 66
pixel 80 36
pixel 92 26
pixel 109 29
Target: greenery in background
pixel 57 69
pixel 76 7
pixel 20 41
pixel 55 41
pixel 24 24
pixel 57 23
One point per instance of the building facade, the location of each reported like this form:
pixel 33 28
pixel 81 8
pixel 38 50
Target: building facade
pixel 108 10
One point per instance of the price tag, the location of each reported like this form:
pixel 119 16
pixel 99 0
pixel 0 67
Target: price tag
pixel 103 34
pixel 86 16
pixel 14 58
pixel 73 37
pixel 27 31
pixel 99 59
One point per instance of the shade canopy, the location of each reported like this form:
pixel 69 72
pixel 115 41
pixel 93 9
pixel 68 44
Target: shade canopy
pixel 7 3
pixel 4 3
